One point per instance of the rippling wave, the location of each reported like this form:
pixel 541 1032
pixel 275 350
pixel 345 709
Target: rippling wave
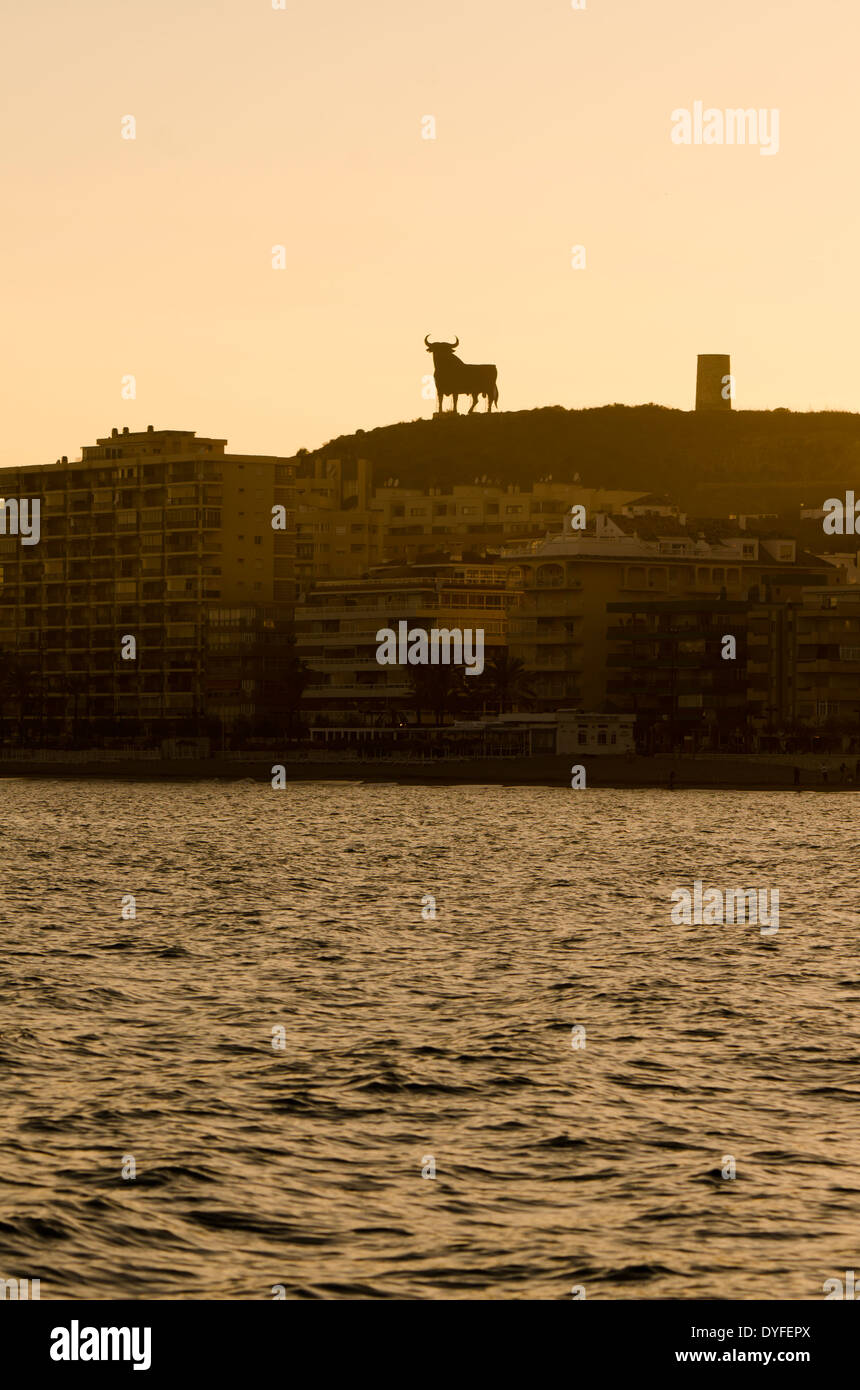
pixel 406 1039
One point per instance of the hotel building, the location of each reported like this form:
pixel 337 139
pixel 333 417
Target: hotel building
pixel 337 623
pixel 827 676
pixel 561 630
pixel 345 525
pixel 161 536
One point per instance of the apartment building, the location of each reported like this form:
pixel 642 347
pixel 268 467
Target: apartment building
pixel 345 525
pixel 337 622
pixel 701 672
pixel 162 537
pixel 560 630
pixel 828 659
pixel 481 516
pixel 339 530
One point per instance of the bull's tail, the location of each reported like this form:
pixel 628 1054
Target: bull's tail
pixel 493 397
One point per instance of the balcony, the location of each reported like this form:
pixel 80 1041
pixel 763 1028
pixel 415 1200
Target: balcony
pixel 386 690
pixel 319 612
pixel 546 662
pixel 559 608
pixel 344 663
pixel 182 519
pixel 664 662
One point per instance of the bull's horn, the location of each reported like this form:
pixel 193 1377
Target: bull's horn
pixel 427 340
pixel 456 343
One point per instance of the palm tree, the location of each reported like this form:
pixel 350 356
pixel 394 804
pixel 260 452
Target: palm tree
pixel 506 681
pixel 19 685
pixel 71 688
pixel 435 688
pixel 7 686
pixel 281 680
pixel 293 679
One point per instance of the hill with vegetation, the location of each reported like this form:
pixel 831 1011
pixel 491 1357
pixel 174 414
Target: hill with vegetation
pixel 746 461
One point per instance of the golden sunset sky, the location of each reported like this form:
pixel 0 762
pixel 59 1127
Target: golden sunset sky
pixel 302 127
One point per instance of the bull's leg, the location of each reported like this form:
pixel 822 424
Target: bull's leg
pixel 438 402
pixel 456 394
pixel 474 403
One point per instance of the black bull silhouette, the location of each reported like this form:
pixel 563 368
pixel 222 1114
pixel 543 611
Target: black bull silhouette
pixel 456 378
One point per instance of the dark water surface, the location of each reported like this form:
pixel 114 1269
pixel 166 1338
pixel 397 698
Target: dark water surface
pixel 406 1038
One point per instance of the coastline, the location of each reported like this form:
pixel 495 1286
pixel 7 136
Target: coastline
pixel 751 772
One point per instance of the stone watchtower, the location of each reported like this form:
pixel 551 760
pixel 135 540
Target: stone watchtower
pixel 714 387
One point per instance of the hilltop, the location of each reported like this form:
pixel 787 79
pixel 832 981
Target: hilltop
pixel 746 461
